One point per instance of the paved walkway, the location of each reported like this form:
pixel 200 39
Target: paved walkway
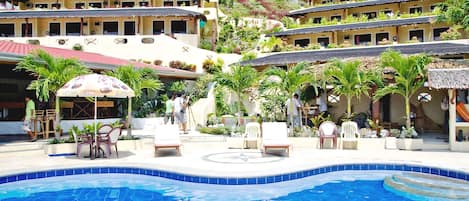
pixel 219 158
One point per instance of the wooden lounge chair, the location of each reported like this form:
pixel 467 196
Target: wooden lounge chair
pixel 251 134
pixel 275 136
pixel 349 134
pixel 167 136
pixel 328 130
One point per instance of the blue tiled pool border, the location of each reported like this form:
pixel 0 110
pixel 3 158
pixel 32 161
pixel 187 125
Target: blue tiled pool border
pixel 235 180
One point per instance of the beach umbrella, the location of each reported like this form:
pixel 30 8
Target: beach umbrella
pixel 94 86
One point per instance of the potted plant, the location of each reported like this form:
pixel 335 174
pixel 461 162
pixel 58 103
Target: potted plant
pixel 409 77
pixel 409 140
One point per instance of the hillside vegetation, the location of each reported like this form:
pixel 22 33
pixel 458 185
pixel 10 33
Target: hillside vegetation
pixel 271 9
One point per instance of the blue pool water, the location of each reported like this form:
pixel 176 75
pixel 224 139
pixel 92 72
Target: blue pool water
pixel 345 185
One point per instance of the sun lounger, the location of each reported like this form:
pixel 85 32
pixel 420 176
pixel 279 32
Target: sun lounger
pixel 167 136
pixel 275 136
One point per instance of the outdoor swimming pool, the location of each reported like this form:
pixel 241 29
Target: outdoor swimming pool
pixel 139 184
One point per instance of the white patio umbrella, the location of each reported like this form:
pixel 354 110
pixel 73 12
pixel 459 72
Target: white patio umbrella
pixel 97 85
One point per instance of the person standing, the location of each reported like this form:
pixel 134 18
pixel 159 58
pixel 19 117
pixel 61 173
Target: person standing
pixel 293 110
pixel 169 113
pixel 180 106
pixel 29 113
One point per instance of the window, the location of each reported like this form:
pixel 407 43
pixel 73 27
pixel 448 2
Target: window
pixel 26 30
pixel 317 20
pixel 416 35
pixel 382 37
pixel 72 29
pixel 54 29
pixel 143 4
pixel 388 13
pixel 168 3
pixel 41 5
pixel 129 28
pixel 56 5
pixel 415 10
pixel 302 42
pixel 80 6
pixel 323 41
pixel 178 27
pixel 184 2
pixel 95 5
pixel 158 27
pixel 363 39
pixel 110 28
pixel 370 15
pixel 128 4
pixel 336 17
pixel 355 14
pixel 437 33
pixel 7 30
pixel 432 7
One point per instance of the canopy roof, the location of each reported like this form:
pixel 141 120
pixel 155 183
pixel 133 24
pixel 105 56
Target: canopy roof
pixel 351 26
pixel 342 6
pixel 104 12
pixel 95 85
pixel 452 75
pixel 313 56
pixel 14 52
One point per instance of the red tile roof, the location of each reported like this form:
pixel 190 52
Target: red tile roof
pixel 21 49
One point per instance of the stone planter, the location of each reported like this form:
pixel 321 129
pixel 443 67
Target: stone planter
pixel 409 143
pixel 122 145
pixel 142 123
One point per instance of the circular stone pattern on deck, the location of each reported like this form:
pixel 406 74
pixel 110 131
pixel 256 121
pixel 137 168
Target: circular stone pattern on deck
pixel 241 158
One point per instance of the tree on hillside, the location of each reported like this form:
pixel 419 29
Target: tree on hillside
pixel 454 12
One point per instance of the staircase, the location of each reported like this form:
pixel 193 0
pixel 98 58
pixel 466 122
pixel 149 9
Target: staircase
pixel 417 186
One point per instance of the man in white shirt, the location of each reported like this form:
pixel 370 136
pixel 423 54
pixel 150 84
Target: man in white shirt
pixel 293 110
pixel 180 112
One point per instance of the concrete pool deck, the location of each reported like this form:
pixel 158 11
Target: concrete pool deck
pixel 218 158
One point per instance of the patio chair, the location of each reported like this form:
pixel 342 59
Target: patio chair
pixel 167 136
pixel 328 130
pixel 104 129
pixel 350 134
pixel 251 134
pixel 109 140
pixel 79 142
pixel 275 136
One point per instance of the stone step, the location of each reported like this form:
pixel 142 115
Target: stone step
pixel 427 187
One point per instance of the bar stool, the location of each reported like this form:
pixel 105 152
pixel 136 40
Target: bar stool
pixel 50 117
pixel 38 118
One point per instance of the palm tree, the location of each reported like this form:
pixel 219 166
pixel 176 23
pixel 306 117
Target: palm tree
pixel 409 76
pixel 138 79
pixel 51 73
pixel 287 82
pixel 348 80
pixel 237 80
pixel 454 12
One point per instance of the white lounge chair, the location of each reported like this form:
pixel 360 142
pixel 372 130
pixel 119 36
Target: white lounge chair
pixel 275 136
pixel 251 134
pixel 167 136
pixel 349 134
